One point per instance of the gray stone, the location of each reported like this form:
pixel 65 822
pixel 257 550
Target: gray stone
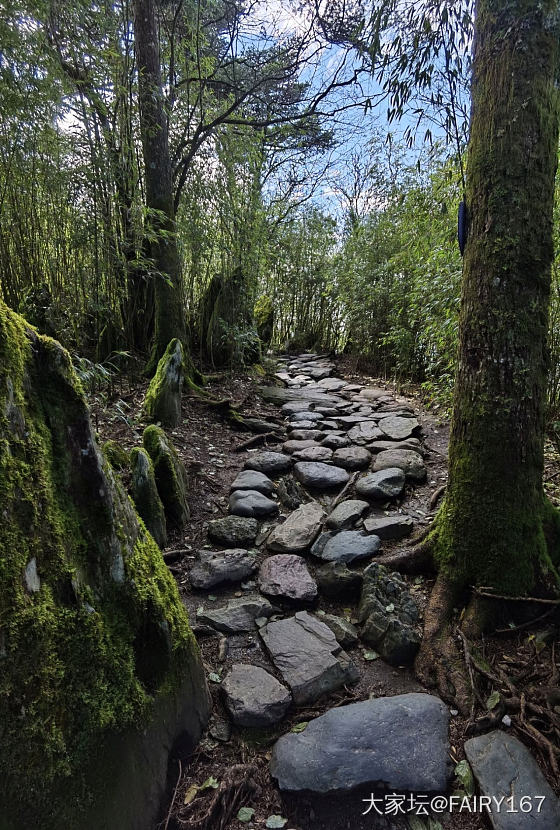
pixel 319 476
pixel 319 374
pixel 346 634
pixel 385 484
pixel 329 426
pixel 296 406
pixel 306 435
pixel 335 442
pixel 352 458
pixel 253 697
pixel 306 653
pixel 409 461
pixel 407 444
pixel 270 463
pixel 251 503
pixel 253 480
pixel 345 546
pixel 279 396
pixel 389 527
pixel 346 514
pixel 237 616
pixel 504 768
pixel 293 446
pixel 298 426
pixel 299 531
pixel 287 576
pixel 298 417
pixel 215 567
pixel 314 454
pixel 388 613
pixel 397 427
pixel 233 531
pixel 332 384
pixel 327 411
pixel 373 394
pixel 145 495
pixel 365 432
pixel 399 743
pixel 336 580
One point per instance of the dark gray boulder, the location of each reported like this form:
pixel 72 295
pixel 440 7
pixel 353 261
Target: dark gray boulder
pixel 286 576
pixel 386 484
pixel 319 476
pixel 253 480
pixel 233 531
pixel 400 743
pixel 237 616
pixel 269 463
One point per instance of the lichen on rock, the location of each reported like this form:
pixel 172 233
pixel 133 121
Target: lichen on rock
pixel 100 673
pixel 163 398
pixel 170 475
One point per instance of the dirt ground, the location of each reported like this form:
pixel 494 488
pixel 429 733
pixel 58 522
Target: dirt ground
pixel 207 444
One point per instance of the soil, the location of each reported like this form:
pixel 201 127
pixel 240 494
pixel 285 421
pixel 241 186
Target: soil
pixel 207 444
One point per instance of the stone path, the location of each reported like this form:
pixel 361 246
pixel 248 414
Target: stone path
pixel 305 527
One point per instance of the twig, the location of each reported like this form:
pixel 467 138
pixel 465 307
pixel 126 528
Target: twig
pixel 344 490
pixel 258 439
pixel 166 825
pixel 524 625
pixel 487 592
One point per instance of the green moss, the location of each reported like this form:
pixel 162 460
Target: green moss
pixel 146 497
pixel 163 398
pixel 71 651
pixel 116 455
pixel 170 475
pixel 263 314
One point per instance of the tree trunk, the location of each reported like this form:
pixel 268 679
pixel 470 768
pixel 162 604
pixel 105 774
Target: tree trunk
pixel 495 527
pixel 169 312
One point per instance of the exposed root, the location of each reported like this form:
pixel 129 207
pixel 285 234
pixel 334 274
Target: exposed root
pixel 237 788
pixel 439 664
pixel 415 561
pixel 436 495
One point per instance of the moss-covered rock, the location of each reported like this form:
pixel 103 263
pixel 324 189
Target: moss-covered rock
pixel 116 455
pixel 146 497
pixel 99 672
pixel 170 475
pixel 163 398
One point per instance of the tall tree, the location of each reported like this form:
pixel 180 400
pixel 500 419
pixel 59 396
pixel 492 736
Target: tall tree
pixel 169 310
pixel 495 527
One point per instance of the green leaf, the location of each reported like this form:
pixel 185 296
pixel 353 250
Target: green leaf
pixel 493 701
pixel 215 678
pixel 274 822
pixel 464 774
pixel 245 814
pixel 390 607
pixel 299 727
pixel 370 655
pixel 210 784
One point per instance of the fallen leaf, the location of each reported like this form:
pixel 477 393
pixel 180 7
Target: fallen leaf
pixel 274 822
pixel 299 727
pixel 245 814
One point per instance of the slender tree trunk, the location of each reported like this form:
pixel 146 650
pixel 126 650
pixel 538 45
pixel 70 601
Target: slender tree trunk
pixel 169 312
pixel 492 527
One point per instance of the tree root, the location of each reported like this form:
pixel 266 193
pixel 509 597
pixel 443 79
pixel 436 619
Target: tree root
pixel 439 664
pixel 415 561
pixel 236 789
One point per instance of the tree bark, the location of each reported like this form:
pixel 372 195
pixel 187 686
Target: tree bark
pixel 169 318
pixel 490 531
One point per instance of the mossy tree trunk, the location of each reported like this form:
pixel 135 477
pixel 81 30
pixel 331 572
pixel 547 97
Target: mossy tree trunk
pixel 169 320
pixel 491 528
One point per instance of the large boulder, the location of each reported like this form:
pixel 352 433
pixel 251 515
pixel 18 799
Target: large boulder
pixel 399 742
pixel 163 398
pixel 101 675
pixel 170 475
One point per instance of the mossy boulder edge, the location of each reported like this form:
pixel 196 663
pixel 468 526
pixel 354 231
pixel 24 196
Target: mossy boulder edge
pixel 100 673
pixel 163 398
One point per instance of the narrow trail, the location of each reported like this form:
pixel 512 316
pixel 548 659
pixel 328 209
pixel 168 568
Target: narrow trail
pixel 309 642
pixel 295 618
